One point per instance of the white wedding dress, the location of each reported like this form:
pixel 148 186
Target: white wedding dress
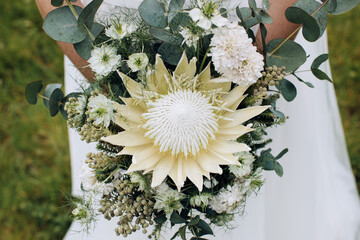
pixel 316 199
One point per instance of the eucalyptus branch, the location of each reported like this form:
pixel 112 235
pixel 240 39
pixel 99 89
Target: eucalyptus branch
pixel 77 17
pixel 296 30
pixel 42 96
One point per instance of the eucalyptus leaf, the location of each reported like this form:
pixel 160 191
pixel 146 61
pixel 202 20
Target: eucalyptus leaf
pixel 266 5
pixel 153 12
pixel 84 47
pixel 175 6
pixel 182 232
pixel 302 12
pixel 250 22
pixel 57 3
pixel 170 53
pixel 160 219
pixel 49 90
pixel 175 218
pixel 87 16
pixel 204 228
pixel 341 6
pixel 278 169
pixel 277 113
pixel 252 5
pixel 61 25
pixel 287 89
pixel 55 100
pixel 315 67
pixel 306 83
pixel 264 17
pixel 32 90
pixel 290 54
pixel 166 36
pixel 281 154
pixel 243 13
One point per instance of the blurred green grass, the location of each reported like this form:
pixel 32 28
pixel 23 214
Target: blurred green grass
pixel 34 157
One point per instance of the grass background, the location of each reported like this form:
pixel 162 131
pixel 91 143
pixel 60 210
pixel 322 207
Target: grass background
pixel 34 157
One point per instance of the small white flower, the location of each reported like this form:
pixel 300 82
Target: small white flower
pixel 104 60
pixel 80 105
pixel 168 199
pixel 240 171
pixel 190 38
pixel 138 61
pixel 139 179
pixel 118 29
pixel 234 56
pixel 201 200
pixel 207 15
pixel 210 184
pixel 101 110
pixel 245 157
pixel 87 177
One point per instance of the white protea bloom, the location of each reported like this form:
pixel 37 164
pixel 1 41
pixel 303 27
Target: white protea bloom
pixel 207 14
pixel 190 38
pixel 181 125
pixel 101 110
pixel 104 60
pixel 138 61
pixel 168 199
pixel 234 56
pixel 120 29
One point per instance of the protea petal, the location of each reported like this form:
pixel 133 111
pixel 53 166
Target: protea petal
pixel 242 115
pixel 161 170
pixel 182 65
pixel 126 139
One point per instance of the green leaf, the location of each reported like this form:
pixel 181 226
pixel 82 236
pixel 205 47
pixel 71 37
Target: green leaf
pixel 290 54
pixel 278 169
pixel 182 232
pixel 243 13
pixel 341 6
pixel 266 5
pixel 84 47
pixel 250 22
pixel 307 83
pixel 55 99
pixel 49 90
pixel 166 36
pixel 170 53
pixel 264 17
pixel 194 221
pixel 61 25
pixel 160 219
pixel 175 218
pixel 277 113
pixel 88 14
pixel 301 13
pixel 315 67
pixel 153 12
pixel 287 89
pixel 281 154
pixel 263 31
pixel 204 228
pixel 252 5
pixel 32 90
pixel 57 3
pixel 175 7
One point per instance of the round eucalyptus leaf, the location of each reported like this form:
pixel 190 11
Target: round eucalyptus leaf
pixel 337 7
pixel 170 53
pixel 175 7
pixel 287 89
pixel 153 12
pixel 243 13
pixel 84 47
pixel 54 102
pixel 31 91
pixel 264 17
pixel 61 25
pixel 166 36
pixel 301 13
pixel 49 90
pixel 88 14
pixel 266 4
pixel 290 54
pixel 57 3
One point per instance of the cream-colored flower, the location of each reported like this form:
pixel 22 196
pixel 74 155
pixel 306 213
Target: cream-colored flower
pixel 181 125
pixel 104 60
pixel 119 29
pixel 138 61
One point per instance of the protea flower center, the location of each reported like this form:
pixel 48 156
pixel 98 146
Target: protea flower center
pixel 181 122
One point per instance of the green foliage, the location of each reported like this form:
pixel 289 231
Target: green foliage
pixel 290 54
pixel 315 67
pixel 341 6
pixel 84 47
pixel 287 89
pixel 87 15
pixel 166 36
pixel 270 163
pixel 153 12
pixel 302 12
pixel 175 6
pixel 61 25
pixel 170 53
pixel 32 90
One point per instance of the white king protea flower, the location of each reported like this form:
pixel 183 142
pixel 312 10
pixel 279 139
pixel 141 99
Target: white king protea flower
pixel 181 125
pixel 234 56
pixel 104 60
pixel 207 14
pixel 138 61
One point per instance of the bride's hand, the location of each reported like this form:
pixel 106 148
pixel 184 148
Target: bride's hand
pixel 281 27
pixel 45 7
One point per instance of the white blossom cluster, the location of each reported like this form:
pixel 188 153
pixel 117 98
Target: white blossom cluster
pixel 104 60
pixel 101 110
pixel 234 56
pixel 120 29
pixel 246 159
pixel 207 14
pixel 138 61
pixel 168 199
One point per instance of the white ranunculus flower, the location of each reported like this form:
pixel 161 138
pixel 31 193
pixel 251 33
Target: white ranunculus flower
pixel 104 60
pixel 138 61
pixel 101 110
pixel 234 56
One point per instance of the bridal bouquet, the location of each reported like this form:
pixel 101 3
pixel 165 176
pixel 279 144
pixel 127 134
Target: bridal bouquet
pixel 179 108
